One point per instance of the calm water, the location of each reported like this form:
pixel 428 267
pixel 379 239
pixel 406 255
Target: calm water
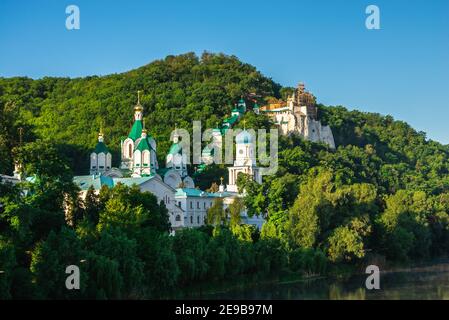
pixel 424 282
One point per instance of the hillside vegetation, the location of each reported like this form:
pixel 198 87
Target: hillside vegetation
pixel 382 195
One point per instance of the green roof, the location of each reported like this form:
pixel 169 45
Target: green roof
pixel 101 148
pixel 136 130
pixel 192 192
pixel 232 119
pixel 175 148
pixel 201 168
pixel 144 144
pixel 208 151
pixel 132 181
pixel 85 182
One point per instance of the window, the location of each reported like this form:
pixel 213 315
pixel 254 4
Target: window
pixel 198 219
pixel 178 218
pixel 204 205
pixel 130 150
pixel 197 205
pixel 179 203
pixel 191 219
pixel 191 205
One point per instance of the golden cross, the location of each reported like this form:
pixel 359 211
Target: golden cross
pixel 101 126
pixel 20 135
pixel 138 96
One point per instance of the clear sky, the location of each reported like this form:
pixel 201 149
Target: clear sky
pixel 401 69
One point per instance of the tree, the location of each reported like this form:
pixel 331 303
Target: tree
pixel 344 244
pixel 128 208
pixel 190 247
pixel 215 214
pixel 92 206
pixel 235 210
pixel 49 261
pixel 114 244
pixel 7 265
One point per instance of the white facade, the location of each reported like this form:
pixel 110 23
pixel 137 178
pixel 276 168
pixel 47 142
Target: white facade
pixel 187 206
pixel 194 204
pixel 100 158
pixel 299 116
pixel 245 161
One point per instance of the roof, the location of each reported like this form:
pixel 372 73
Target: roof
pixel 201 167
pixel 175 148
pixel 101 148
pixel 85 182
pixel 5 178
pixel 192 192
pixel 144 144
pixel 232 119
pixel 208 151
pixel 136 130
pixel 244 137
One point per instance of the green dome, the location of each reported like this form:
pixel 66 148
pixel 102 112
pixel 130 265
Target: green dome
pixel 101 148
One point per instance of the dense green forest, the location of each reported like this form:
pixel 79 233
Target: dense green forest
pixel 381 197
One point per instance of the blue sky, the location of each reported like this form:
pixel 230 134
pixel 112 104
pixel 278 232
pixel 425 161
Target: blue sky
pixel 402 69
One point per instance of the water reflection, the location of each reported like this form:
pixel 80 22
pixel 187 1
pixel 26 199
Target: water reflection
pixel 425 282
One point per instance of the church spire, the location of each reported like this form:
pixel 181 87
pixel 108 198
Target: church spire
pixel 138 109
pixel 101 134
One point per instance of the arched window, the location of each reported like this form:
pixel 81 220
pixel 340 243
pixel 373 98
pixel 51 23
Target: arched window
pixel 130 150
pixel 146 158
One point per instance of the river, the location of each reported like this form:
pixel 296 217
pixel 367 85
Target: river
pixel 429 281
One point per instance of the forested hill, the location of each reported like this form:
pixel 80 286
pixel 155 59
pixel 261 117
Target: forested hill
pixel 179 89
pixel 382 195
pixel 176 90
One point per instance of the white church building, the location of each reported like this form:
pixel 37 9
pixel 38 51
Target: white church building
pixel 187 205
